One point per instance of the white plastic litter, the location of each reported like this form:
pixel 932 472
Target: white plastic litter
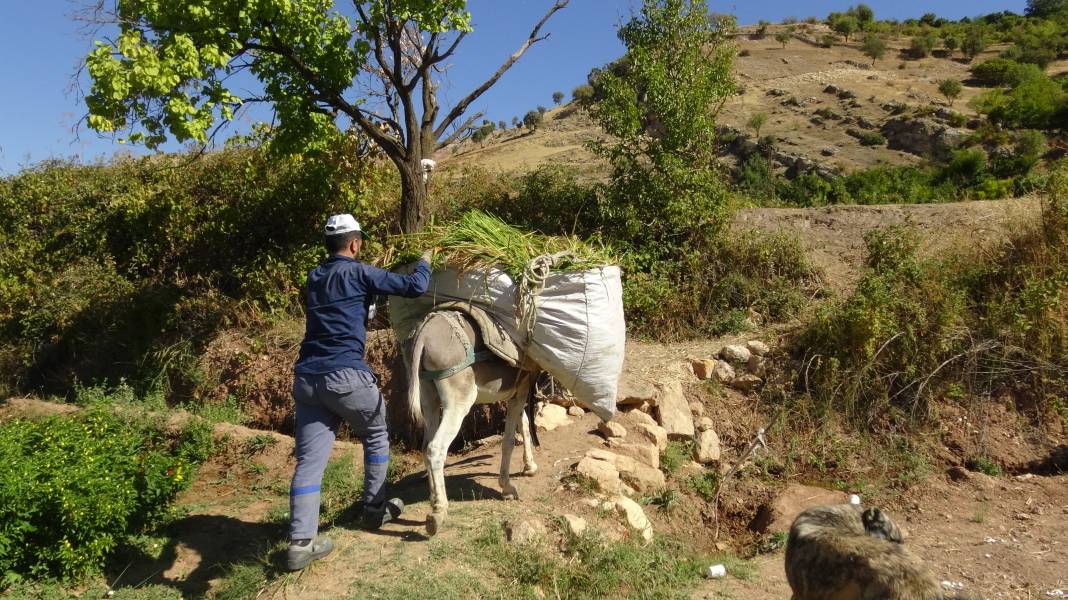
pixel 953 585
pixel 854 499
pixel 716 572
pixel 1057 593
pixel 578 331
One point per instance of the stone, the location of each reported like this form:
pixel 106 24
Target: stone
pixel 634 516
pixel 746 383
pixel 832 89
pixel 735 354
pixel 829 150
pixel 655 434
pixel 611 429
pixel 603 473
pixel 634 391
pixel 674 411
pixel 642 449
pixel 757 347
pixel 697 409
pixel 702 367
pixel 575 524
pixel 706 449
pixel 637 475
pixel 756 365
pixel 550 417
pixel 576 411
pixel 525 531
pixel 642 417
pixel 704 424
pixel 723 372
pixel 777 515
pixel 923 137
pixel 776 92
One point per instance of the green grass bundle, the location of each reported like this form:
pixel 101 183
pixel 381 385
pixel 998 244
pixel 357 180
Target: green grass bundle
pixel 481 241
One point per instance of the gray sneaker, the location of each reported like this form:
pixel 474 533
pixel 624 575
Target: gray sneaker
pixel 377 516
pixel 300 556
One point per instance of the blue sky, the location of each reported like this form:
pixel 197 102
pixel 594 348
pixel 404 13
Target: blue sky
pixel 42 45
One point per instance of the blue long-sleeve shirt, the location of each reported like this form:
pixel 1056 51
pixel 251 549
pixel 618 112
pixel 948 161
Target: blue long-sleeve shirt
pixel 340 292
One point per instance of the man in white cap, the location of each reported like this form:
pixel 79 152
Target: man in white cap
pixel 332 382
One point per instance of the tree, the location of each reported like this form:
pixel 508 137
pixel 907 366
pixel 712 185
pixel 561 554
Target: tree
pixel 375 68
pixel 542 109
pixel 951 89
pixel 951 43
pixel 532 119
pixel 558 97
pixel 756 122
pixel 1046 8
pixel 974 43
pixel 582 93
pixel 502 125
pixel 873 47
pixel 845 25
pixel 783 37
pixel 482 133
pixel 516 122
pixel 922 45
pixel 665 192
pixel 864 14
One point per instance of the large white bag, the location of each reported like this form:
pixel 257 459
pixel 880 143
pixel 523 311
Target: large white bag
pixel 577 333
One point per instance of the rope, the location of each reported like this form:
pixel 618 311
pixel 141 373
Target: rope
pixel 531 284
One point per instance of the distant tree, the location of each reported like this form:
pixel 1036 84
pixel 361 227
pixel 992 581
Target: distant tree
pixel 762 27
pixel 502 125
pixel 845 25
pixel 922 45
pixel 864 14
pixel 1046 8
pixel 951 89
pixel 482 133
pixel 582 93
pixel 951 43
pixel 558 97
pixel 974 43
pixel 542 109
pixel 827 40
pixel 930 19
pixel 532 119
pixel 756 122
pixel 873 47
pixel 516 122
pixel 783 37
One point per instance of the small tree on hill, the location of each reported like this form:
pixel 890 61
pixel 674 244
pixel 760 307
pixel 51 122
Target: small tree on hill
pixel 756 122
pixel 864 14
pixel 783 37
pixel 951 42
pixel 516 122
pixel 951 89
pixel 1046 8
pixel 532 119
pixel 541 109
pixel 873 47
pixel 558 97
pixel 845 25
pixel 827 41
pixel 582 93
pixel 502 125
pixel 922 45
pixel 974 43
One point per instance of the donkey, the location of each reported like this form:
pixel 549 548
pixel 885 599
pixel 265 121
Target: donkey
pixel 444 346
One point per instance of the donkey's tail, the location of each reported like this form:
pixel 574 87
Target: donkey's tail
pixel 415 402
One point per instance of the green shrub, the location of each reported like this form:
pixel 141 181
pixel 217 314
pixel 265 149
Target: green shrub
pixel 72 487
pixel 1005 72
pixel 1033 103
pixel 922 45
pixel 872 138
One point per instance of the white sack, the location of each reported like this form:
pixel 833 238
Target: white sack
pixel 579 331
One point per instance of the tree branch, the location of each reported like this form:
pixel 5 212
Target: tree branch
pixel 461 107
pixel 459 131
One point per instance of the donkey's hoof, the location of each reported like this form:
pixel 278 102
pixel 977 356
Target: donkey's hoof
pixel 510 493
pixel 434 521
pixel 530 471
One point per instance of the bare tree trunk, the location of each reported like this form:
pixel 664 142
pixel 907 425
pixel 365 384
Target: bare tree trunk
pixel 413 197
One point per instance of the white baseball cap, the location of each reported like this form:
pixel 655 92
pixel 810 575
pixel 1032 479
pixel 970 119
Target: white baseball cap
pixel 343 223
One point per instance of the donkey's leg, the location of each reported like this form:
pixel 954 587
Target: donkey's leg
pixel 431 407
pixel 529 468
pixel 511 422
pixel 457 394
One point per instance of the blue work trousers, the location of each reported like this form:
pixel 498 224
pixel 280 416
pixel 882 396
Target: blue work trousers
pixel 322 401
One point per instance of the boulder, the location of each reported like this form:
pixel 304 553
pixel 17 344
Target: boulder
pixel 746 383
pixel 603 474
pixel 922 137
pixel 697 409
pixel 642 449
pixel 674 411
pixel 735 354
pixel 777 515
pixel 575 411
pixel 702 367
pixel 634 391
pixel 525 531
pixel 550 417
pixel 756 365
pixel 757 347
pixel 611 429
pixel 832 89
pixel 634 516
pixel 706 449
pixel 574 524
pixel 655 434
pixel 635 474
pixel 642 417
pixel 723 372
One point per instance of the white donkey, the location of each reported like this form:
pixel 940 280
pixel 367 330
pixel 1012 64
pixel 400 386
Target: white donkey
pixel 447 377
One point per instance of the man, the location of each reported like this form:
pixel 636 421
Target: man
pixel 332 383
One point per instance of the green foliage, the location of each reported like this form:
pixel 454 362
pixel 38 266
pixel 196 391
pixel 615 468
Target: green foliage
pixel 845 25
pixel 872 138
pixel 483 132
pixel 828 40
pixel 985 465
pixel 674 456
pixel 951 89
pixel 1028 148
pixel 1033 104
pixel 974 43
pixel 873 47
pixel 164 246
pixel 73 487
pixel 558 97
pixel 921 46
pixel 705 484
pixel 1005 72
pixel 783 37
pixel 756 122
pixel 582 93
pixel 533 119
pixel 1046 8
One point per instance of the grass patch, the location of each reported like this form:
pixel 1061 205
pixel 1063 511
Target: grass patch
pixel 676 454
pixel 705 484
pixel 342 487
pixel 985 465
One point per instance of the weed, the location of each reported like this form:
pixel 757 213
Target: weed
pixel 773 542
pixel 676 454
pixel 665 499
pixel 342 486
pixel 227 411
pixel 985 465
pixel 259 443
pixel 705 485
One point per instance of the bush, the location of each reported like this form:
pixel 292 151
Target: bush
pixel 533 119
pixel 1005 72
pixel 73 487
pixel 582 93
pixel 872 138
pixel 921 46
pixel 1034 104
